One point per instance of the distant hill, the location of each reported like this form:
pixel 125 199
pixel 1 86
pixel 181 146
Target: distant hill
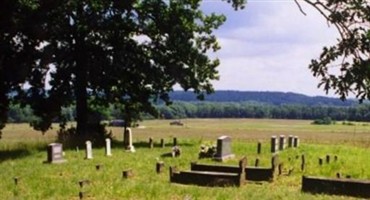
pixel 275 98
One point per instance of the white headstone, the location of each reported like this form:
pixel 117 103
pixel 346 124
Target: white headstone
pixel 108 151
pixel 89 154
pixel 128 137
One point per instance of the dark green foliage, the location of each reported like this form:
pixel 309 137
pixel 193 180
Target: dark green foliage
pixel 323 121
pixel 350 56
pixel 121 53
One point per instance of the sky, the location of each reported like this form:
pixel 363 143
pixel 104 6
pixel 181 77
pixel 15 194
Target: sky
pixel 268 46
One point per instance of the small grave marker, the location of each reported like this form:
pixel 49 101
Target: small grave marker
pixel 151 143
pixel 159 167
pixel 162 143
pixel 257 162
pixel 127 173
pixel 174 141
pixel 296 141
pixel 273 144
pixel 282 142
pixel 259 147
pixel 290 141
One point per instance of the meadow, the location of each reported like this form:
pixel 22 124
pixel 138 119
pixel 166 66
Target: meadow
pixel 23 151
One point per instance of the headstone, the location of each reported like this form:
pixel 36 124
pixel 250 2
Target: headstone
pixel 223 150
pixel 296 142
pixel 128 141
pixel 320 161
pixel 127 173
pixel 151 143
pixel 274 144
pixel 259 147
pixel 328 159
pixel 162 143
pixel 303 163
pixel 55 153
pixel 176 151
pixel 282 142
pixel 290 141
pixel 88 152
pixel 159 167
pixel 174 141
pixel 257 163
pixel 274 161
pixel 108 150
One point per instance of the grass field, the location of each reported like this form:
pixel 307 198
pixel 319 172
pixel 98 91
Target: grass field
pixel 22 152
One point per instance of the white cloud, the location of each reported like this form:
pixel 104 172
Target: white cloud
pixel 269 45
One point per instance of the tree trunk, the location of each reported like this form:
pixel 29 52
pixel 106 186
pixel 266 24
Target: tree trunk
pixel 81 79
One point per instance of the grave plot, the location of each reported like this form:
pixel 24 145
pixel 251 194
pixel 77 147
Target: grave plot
pixel 348 187
pixel 210 178
pixel 251 173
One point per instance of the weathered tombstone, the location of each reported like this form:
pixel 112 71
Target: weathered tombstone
pixel 223 151
pixel 127 173
pixel 159 167
pixel 290 141
pixel 328 159
pixel 98 167
pixel 176 151
pixel 320 161
pixel 282 142
pixel 55 153
pixel 273 144
pixel 108 150
pixel 88 152
pixel 296 141
pixel 303 162
pixel 259 147
pixel 335 158
pixel 162 143
pixel 174 141
pixel 127 140
pixel 151 143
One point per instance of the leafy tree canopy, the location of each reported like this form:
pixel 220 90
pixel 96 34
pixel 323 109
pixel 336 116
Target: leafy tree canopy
pixel 106 52
pixel 345 67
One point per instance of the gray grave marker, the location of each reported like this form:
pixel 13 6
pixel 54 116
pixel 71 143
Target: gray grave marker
pixel 282 142
pixel 296 141
pixel 223 149
pixel 55 153
pixel 290 141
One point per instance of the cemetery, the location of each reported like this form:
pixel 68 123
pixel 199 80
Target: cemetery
pixel 286 161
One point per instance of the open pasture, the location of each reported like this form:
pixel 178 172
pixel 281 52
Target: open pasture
pixel 22 152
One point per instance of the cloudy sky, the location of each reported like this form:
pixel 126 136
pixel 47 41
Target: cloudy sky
pixel 268 46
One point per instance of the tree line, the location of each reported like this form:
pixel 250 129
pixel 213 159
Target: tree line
pixel 180 110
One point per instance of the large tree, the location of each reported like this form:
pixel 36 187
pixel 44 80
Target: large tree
pixel 115 52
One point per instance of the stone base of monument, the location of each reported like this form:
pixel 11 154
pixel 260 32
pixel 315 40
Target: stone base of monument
pixel 251 173
pixel 223 157
pixel 55 154
pixel 210 178
pixel 130 149
pixel 348 187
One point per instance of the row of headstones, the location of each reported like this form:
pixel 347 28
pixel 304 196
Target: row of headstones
pixel 279 144
pixel 55 150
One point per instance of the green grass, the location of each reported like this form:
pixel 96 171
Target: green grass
pixel 22 152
